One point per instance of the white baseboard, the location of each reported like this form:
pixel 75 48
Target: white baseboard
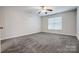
pixel 17 36
pixel 38 32
pixel 63 33
pixel 77 36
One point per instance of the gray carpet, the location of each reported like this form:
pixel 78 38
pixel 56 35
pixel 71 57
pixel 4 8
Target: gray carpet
pixel 41 43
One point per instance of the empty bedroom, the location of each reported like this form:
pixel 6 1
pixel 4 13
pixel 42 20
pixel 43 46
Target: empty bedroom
pixel 39 29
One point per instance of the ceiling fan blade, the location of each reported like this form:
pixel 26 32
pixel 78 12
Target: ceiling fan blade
pixel 49 9
pixel 45 12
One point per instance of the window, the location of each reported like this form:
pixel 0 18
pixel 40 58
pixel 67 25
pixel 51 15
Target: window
pixel 55 23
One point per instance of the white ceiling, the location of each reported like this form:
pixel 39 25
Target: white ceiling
pixel 36 9
pixel 59 9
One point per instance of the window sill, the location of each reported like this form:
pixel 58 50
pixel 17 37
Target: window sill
pixel 54 30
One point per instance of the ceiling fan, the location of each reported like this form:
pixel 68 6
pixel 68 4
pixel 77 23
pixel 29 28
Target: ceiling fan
pixel 45 9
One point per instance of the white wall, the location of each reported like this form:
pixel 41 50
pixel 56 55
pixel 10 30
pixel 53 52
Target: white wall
pixel 78 23
pixel 68 21
pixel 1 20
pixel 17 23
pixel 0 24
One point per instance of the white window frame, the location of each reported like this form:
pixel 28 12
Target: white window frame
pixel 54 20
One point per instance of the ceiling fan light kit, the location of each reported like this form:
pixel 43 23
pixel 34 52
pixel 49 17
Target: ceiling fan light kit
pixel 45 9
